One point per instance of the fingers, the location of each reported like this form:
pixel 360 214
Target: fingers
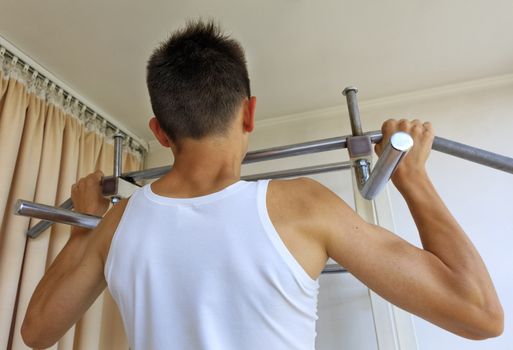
pixel 428 127
pixel 95 177
pixel 87 195
pixel 416 128
pixel 387 129
pixel 388 126
pixel 404 125
pixel 89 180
pixel 413 127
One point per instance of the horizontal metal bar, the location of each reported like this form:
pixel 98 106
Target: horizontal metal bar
pixel 278 152
pixel 440 144
pixel 297 149
pixel 473 154
pixel 66 216
pixel 333 268
pixel 57 214
pixel 70 217
pixel 146 174
pixel 41 226
pixel 310 170
pixel 272 153
pixel 54 214
pixel 470 153
pixel 463 151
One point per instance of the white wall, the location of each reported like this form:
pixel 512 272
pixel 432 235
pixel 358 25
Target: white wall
pixel 478 113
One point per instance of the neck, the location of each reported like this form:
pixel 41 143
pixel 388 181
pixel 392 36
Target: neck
pixel 202 167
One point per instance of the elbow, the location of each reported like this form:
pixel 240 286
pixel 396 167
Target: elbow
pixel 479 310
pixel 32 337
pixel 489 323
pixel 498 322
pixel 494 325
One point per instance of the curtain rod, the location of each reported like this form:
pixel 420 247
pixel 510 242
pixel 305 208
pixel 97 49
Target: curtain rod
pixel 26 63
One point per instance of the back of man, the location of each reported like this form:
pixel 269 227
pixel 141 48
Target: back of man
pixel 202 260
pixel 209 272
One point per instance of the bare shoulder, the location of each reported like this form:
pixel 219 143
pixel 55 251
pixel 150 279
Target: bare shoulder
pixel 291 195
pixel 294 211
pixel 301 188
pixel 304 193
pixel 313 205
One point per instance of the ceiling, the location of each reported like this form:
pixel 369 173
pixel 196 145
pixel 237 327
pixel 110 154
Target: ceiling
pixel 301 53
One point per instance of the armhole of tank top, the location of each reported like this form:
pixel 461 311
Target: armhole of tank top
pixel 295 267
pixel 112 247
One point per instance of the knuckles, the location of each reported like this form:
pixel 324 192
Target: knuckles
pixel 417 130
pixel 414 127
pixel 88 181
pixel 389 125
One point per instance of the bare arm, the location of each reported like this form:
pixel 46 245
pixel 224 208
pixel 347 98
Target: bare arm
pixel 75 279
pixel 445 283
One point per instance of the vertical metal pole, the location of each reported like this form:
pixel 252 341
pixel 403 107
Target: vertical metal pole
pixel 118 153
pixel 354 113
pixel 360 144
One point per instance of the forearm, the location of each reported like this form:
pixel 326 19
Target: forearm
pixel 75 278
pixel 442 236
pixel 70 255
pixel 439 232
pixel 68 258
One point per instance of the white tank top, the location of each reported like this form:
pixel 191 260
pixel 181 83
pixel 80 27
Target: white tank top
pixel 209 272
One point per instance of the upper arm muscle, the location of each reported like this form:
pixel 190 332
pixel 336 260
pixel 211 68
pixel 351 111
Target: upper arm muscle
pixel 412 278
pixel 71 284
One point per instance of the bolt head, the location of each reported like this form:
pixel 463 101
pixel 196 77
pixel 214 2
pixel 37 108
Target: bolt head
pixel 349 88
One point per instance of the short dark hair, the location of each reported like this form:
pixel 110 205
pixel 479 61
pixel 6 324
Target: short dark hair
pixel 197 80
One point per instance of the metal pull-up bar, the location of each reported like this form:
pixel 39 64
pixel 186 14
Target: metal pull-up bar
pixel 370 186
pixel 473 154
pixel 65 215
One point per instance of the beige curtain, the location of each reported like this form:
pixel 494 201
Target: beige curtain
pixel 43 151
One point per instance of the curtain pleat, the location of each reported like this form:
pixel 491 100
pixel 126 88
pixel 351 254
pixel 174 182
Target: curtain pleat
pixel 12 232
pixel 88 329
pixel 67 177
pixel 34 265
pixel 113 334
pixel 44 151
pixel 11 128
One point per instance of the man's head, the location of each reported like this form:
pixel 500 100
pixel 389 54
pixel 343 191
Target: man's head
pixel 197 81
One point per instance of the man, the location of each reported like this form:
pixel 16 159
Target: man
pixel 202 260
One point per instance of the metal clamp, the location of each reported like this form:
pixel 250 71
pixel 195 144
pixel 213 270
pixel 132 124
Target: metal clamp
pixel 113 187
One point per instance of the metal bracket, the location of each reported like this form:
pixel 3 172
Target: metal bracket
pixel 114 187
pixel 360 152
pixel 370 183
pixel 394 151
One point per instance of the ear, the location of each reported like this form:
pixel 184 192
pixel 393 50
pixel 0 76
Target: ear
pixel 160 135
pixel 249 114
